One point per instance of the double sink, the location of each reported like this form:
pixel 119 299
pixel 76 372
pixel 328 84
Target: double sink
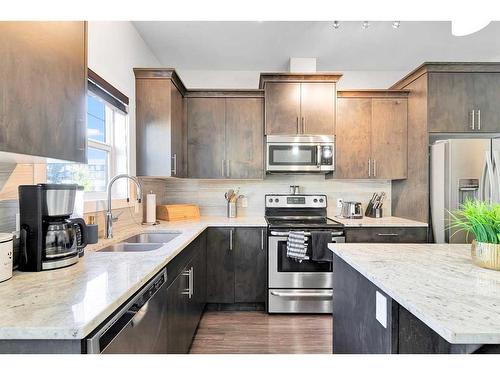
pixel 147 241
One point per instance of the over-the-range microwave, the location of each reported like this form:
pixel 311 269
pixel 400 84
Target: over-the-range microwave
pixel 300 154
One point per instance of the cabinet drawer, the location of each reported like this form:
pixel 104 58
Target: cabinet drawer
pixel 387 234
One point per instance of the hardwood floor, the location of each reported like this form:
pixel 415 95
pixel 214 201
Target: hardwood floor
pixel 256 332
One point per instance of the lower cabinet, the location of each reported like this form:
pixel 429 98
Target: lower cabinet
pixel 236 265
pixel 186 297
pixel 386 234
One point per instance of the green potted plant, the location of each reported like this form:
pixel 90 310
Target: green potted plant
pixel 483 221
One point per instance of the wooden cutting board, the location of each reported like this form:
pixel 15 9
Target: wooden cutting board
pixel 172 212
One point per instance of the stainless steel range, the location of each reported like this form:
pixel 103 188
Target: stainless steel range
pixel 306 286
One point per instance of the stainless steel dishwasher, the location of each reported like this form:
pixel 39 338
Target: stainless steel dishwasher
pixel 139 327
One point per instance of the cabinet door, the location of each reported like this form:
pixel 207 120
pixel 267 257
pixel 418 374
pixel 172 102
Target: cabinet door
pixel 206 137
pixel 389 138
pixel 153 111
pixel 178 337
pixel 199 265
pixel 220 265
pixel 487 99
pixel 178 134
pixel 250 265
pixel 317 108
pixel 353 137
pixel 387 234
pixel 244 137
pixel 450 102
pixel 43 81
pixel 282 108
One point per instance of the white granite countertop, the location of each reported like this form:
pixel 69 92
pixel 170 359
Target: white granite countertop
pixel 71 302
pixel 386 221
pixel 438 283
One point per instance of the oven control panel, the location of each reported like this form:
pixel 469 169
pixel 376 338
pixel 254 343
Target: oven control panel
pixel 296 201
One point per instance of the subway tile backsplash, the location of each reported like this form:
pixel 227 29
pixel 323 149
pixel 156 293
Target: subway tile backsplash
pixel 209 194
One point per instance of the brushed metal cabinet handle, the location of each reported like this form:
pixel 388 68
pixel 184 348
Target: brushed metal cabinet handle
pixel 228 168
pixel 298 130
pixel 222 168
pixel 262 239
pixel 174 159
pixel 473 123
pixel 303 125
pixel 374 167
pixel 388 234
pixel 369 167
pixel 478 119
pixel 231 240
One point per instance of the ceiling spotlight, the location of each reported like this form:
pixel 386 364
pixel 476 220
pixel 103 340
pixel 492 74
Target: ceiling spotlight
pixel 336 24
pixel 365 25
pixel 396 24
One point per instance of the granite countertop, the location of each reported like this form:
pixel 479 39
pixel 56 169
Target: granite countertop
pixel 438 283
pixel 71 302
pixel 386 221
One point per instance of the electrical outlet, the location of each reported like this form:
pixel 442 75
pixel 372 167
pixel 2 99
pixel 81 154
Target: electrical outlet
pixel 339 202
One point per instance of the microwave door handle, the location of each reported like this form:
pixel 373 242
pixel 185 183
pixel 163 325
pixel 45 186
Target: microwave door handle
pixel 319 156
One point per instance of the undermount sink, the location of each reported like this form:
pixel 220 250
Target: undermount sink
pixel 148 241
pixel 131 247
pixel 153 237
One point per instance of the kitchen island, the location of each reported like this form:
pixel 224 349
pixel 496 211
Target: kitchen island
pixel 413 298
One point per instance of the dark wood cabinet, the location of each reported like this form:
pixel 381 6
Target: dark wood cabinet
pixel 225 137
pixel 244 138
pixel 371 136
pixel 300 108
pixel 43 81
pixel 386 234
pixel 220 265
pixel 161 139
pixel 186 296
pixel 250 265
pixel 463 102
pixel 236 265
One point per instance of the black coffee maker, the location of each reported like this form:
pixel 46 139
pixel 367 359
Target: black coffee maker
pixel 49 238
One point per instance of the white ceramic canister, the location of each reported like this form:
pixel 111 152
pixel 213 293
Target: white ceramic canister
pixel 6 254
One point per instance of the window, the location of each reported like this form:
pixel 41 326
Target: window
pixel 107 149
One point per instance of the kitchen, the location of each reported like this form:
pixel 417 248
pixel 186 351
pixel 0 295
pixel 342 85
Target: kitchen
pixel 183 201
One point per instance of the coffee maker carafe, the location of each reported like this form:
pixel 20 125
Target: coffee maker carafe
pixel 49 238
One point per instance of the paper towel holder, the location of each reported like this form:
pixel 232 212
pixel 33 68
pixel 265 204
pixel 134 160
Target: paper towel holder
pixel 149 197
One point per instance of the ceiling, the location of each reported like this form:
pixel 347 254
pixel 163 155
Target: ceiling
pixel 267 46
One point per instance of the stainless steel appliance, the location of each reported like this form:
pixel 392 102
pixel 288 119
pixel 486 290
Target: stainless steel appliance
pixel 461 169
pixel 351 210
pixel 49 238
pixel 139 327
pixel 300 154
pixel 298 287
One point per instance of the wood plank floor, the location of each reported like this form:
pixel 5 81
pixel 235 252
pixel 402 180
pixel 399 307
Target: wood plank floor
pixel 256 332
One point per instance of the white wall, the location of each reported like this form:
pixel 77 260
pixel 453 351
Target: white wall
pixel 114 49
pixel 246 79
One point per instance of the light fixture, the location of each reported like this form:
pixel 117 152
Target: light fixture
pixel 336 24
pixel 396 24
pixel 466 27
pixel 365 25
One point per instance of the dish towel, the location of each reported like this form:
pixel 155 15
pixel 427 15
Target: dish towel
pixel 320 251
pixel 296 246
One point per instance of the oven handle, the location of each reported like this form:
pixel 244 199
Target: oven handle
pixel 325 294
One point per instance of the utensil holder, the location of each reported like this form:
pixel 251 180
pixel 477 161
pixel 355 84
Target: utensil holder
pixel 375 213
pixel 231 209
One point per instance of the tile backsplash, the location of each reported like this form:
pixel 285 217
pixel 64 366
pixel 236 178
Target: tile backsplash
pixel 209 194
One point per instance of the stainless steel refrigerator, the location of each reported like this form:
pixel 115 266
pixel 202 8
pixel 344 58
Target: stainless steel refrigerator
pixel 461 169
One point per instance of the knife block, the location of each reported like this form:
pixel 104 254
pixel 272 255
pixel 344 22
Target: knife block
pixel 375 213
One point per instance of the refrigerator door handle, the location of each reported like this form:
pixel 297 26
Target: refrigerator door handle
pixel 496 173
pixel 491 177
pixel 482 181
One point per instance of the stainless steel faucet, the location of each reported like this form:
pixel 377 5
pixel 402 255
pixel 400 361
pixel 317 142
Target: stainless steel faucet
pixel 109 215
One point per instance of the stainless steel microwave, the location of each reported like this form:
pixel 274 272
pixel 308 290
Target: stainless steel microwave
pixel 300 154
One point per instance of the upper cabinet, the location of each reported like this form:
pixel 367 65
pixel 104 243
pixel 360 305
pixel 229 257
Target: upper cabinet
pixel 464 102
pixel 160 123
pixel 299 103
pixel 371 139
pixel 225 134
pixel 43 81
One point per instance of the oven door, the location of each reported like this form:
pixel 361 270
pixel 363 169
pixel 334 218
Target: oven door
pixel 285 272
pixel 293 157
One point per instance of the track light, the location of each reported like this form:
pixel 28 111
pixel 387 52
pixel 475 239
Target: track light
pixel 365 25
pixel 396 24
pixel 336 24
